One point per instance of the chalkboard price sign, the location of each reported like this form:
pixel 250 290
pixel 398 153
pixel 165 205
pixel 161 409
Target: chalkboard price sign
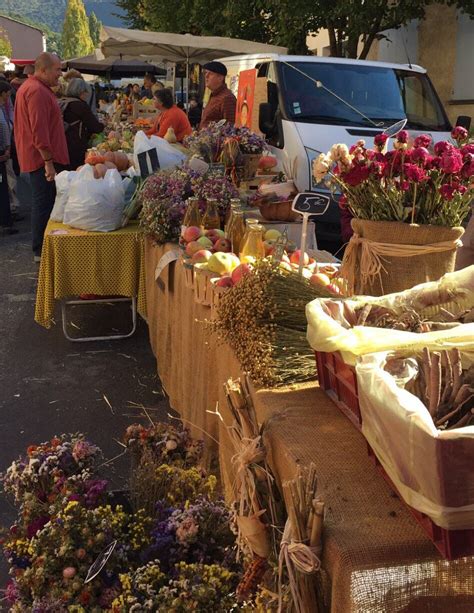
pixel 309 203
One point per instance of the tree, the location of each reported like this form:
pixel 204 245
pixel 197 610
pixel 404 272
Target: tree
pixel 95 26
pixel 5 46
pixel 76 39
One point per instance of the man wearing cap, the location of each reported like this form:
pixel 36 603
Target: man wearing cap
pixel 222 102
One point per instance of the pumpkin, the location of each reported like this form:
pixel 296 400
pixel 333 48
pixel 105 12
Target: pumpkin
pixel 99 171
pixel 121 161
pixel 267 161
pixel 94 157
pixel 278 211
pixel 109 156
pixel 110 165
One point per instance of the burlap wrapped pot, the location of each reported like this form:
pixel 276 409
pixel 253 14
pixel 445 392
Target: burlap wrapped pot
pixel 384 257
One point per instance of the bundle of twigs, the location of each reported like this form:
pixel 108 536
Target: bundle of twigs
pixel 301 542
pixel 409 320
pixel 263 319
pixel 257 501
pixel 445 388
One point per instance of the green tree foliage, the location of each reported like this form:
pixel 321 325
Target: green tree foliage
pixel 5 46
pixel 95 26
pixel 76 38
pixel 282 22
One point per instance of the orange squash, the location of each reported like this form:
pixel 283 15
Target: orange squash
pixel 99 171
pixel 121 160
pixel 94 157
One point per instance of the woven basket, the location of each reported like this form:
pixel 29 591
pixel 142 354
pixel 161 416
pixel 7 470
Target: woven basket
pixel 202 286
pixel 402 272
pixel 278 211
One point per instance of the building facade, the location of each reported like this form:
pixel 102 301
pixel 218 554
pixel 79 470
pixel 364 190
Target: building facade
pixel 26 41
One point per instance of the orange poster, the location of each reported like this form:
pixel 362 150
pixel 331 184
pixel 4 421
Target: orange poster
pixel 245 98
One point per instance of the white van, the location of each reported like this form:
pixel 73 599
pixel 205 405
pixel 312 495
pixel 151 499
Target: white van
pixel 314 102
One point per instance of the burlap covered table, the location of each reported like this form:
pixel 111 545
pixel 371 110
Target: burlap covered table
pixel 376 559
pixel 75 262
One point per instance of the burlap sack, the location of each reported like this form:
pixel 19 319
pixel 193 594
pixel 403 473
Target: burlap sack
pixel 402 271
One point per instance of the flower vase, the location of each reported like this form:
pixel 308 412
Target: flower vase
pixel 384 257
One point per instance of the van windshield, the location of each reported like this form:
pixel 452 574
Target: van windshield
pixel 383 94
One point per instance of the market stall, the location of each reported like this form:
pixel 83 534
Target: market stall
pixel 366 534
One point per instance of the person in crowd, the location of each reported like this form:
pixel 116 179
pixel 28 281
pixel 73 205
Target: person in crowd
pixel 222 102
pixel 12 162
pixel 149 81
pixel 41 141
pixel 194 112
pixel 79 121
pixel 6 220
pixel 135 94
pixel 157 86
pixel 170 117
pixel 72 73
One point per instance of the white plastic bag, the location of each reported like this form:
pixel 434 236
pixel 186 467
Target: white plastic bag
pixel 63 182
pixel 168 156
pixel 95 205
pixel 431 468
pixel 332 323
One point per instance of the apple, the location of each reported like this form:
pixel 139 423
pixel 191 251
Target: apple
pixel 201 256
pixel 269 246
pixel 205 243
pixel 319 278
pixel 225 281
pixel 240 271
pixel 272 235
pixel 248 259
pixel 295 258
pixel 192 248
pixel 191 233
pixel 214 234
pixel 334 289
pixel 223 263
pixel 223 244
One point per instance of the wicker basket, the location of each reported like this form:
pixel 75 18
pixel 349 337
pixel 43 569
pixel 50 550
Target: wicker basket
pixel 202 285
pixel 278 211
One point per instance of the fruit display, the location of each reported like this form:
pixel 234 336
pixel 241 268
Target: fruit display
pixel 144 123
pixel 102 161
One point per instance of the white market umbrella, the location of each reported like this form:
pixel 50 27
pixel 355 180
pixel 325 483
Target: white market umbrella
pixel 177 47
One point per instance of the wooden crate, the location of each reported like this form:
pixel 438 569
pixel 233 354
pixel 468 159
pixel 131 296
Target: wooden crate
pixel 202 285
pixel 143 111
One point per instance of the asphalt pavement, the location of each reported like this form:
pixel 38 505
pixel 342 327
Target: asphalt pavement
pixel 49 385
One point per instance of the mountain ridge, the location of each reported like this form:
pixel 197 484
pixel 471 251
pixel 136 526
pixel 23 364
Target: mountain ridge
pixel 51 12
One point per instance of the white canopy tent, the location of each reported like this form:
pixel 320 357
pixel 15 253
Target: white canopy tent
pixel 171 47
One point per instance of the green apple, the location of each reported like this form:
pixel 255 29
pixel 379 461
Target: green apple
pixel 223 263
pixel 272 235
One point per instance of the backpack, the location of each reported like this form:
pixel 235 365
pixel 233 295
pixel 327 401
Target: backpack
pixel 63 104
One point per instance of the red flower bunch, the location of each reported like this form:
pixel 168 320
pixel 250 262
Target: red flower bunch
pixel 415 184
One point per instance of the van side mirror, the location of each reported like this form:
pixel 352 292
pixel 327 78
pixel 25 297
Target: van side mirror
pixel 464 121
pixel 266 118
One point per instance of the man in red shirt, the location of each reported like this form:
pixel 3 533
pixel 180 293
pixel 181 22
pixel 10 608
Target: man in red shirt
pixel 222 102
pixel 40 141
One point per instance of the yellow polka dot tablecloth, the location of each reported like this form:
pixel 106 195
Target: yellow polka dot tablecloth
pixel 75 262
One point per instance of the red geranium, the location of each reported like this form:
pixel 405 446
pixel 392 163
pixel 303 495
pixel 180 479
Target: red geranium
pixel 451 161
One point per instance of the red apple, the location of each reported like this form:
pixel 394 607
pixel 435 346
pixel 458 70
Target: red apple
pixel 269 246
pixel 295 258
pixel 320 278
pixel 191 233
pixel 201 256
pixel 214 234
pixel 225 281
pixel 240 271
pixel 223 244
pixel 192 248
pixel 334 289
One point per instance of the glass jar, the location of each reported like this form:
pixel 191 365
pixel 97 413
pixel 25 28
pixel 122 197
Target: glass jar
pixel 237 231
pixel 252 244
pixel 211 219
pixel 193 214
pixel 234 206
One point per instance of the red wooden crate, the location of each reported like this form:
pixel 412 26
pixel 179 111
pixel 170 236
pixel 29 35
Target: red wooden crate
pixel 451 544
pixel 339 381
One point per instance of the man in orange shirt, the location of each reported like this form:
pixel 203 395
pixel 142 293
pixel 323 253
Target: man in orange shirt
pixel 170 117
pixel 40 141
pixel 222 102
